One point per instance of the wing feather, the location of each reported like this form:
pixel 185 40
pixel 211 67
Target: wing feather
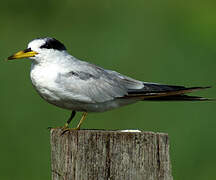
pixel 91 84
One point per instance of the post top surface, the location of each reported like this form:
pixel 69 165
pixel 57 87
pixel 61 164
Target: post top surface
pixel 104 131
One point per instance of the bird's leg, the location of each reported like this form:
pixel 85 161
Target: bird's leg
pixel 66 129
pixel 70 119
pixel 81 120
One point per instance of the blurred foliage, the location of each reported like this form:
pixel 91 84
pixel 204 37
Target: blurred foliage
pixel 170 42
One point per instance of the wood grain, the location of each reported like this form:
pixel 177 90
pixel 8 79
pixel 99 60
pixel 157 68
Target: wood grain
pixel 109 155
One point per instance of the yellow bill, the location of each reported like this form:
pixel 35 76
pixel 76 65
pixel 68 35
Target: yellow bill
pixel 22 54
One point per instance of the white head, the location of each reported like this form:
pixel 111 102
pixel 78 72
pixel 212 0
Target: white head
pixel 41 49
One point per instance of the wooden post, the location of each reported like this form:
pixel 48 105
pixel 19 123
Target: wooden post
pixel 109 155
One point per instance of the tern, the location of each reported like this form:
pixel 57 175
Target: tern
pixel 76 85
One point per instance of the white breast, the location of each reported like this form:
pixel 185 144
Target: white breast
pixel 43 79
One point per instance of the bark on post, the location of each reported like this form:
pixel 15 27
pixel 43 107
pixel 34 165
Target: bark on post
pixel 109 155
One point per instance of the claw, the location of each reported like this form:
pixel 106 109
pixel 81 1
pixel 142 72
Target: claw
pixel 66 129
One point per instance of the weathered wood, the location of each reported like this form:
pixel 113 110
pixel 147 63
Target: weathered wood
pixel 109 155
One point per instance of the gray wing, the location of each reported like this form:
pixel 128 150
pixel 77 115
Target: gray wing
pixel 89 83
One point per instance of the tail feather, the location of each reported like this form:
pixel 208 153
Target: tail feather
pixel 157 92
pixel 165 88
pixel 179 98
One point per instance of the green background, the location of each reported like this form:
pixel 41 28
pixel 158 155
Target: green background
pixel 171 42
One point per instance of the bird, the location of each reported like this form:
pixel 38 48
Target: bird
pixel 79 86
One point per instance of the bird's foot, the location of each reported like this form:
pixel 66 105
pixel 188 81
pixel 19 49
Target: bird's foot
pixel 67 129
